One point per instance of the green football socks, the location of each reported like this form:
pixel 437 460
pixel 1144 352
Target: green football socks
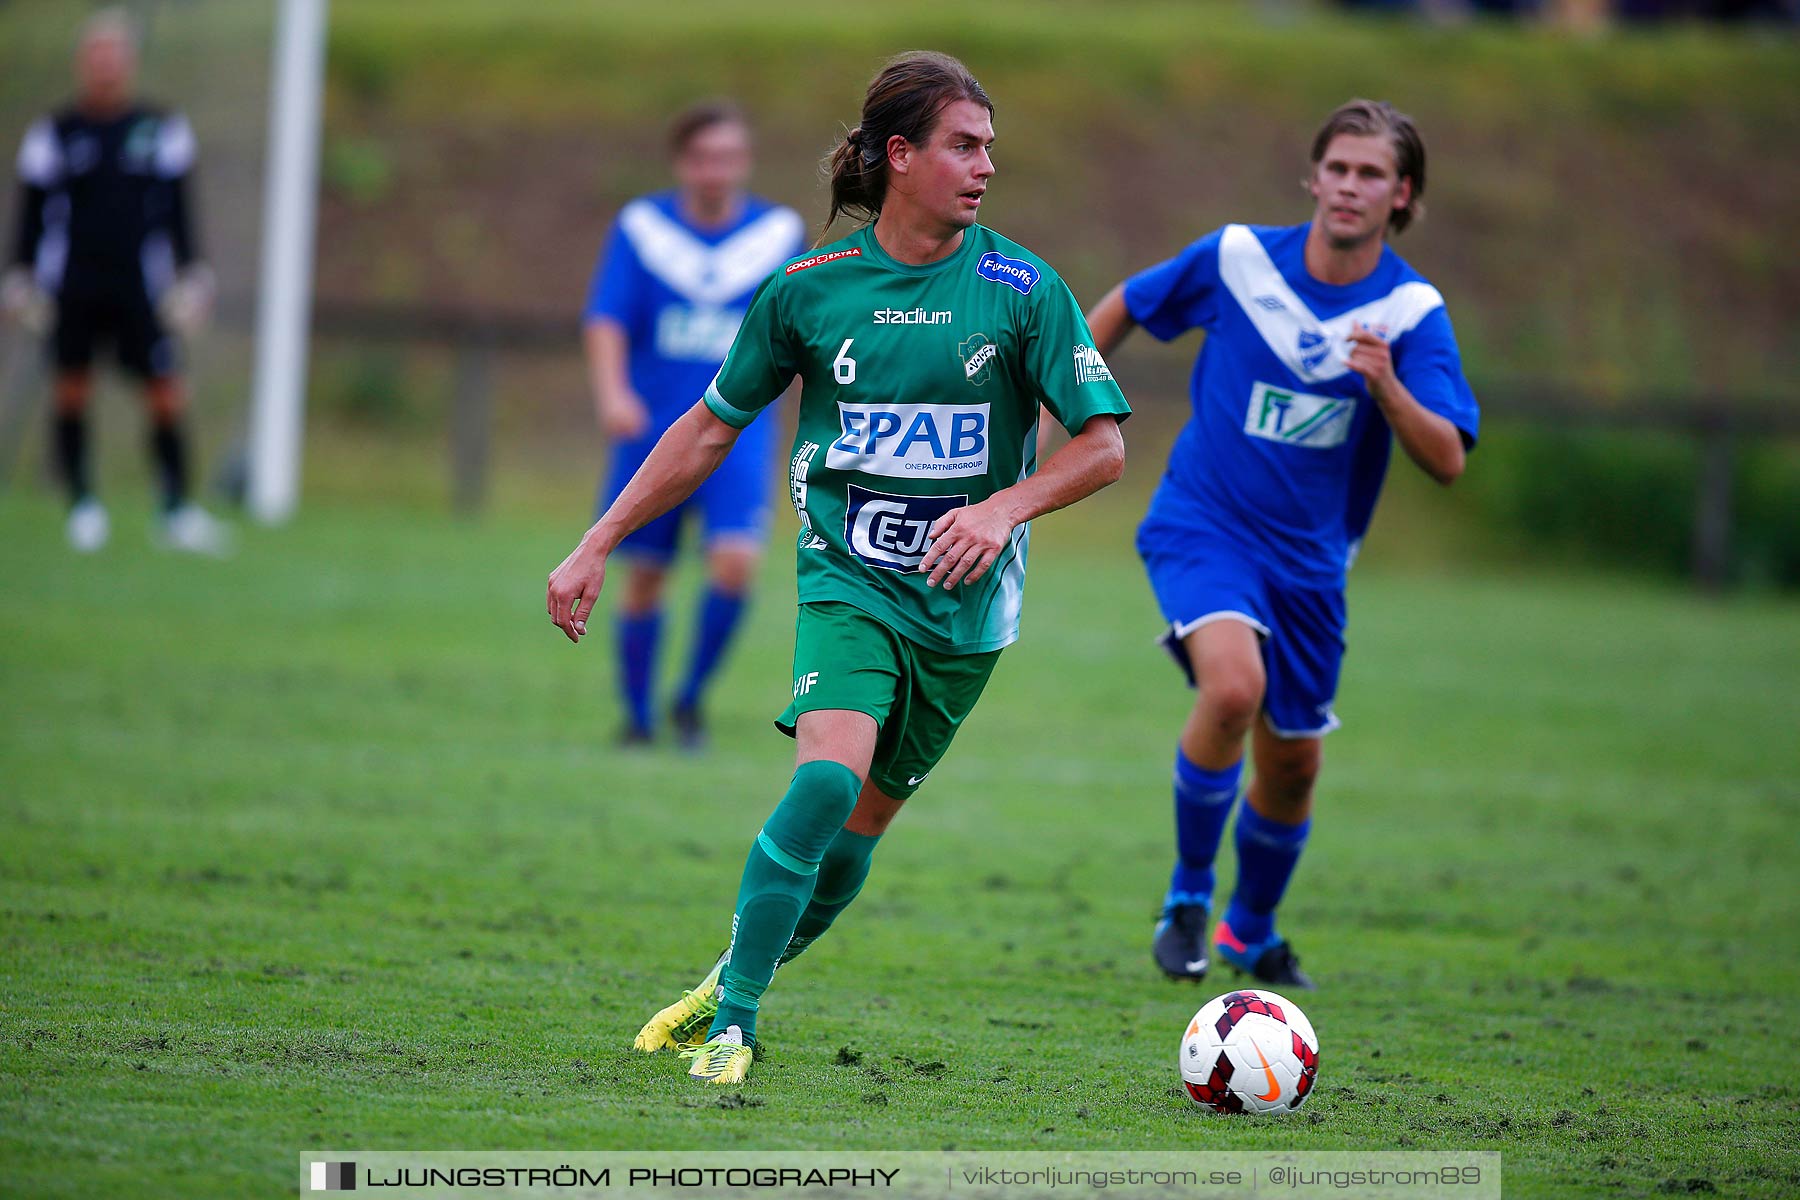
pixel 841 876
pixel 779 879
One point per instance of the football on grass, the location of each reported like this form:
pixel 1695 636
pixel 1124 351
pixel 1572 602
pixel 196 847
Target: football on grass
pixel 1249 1052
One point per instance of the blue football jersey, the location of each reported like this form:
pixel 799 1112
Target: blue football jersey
pixel 1286 450
pixel 680 292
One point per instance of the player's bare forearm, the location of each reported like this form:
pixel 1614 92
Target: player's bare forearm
pixel 683 457
pixel 692 449
pixel 1110 320
pixel 1093 458
pixel 620 411
pixel 1431 441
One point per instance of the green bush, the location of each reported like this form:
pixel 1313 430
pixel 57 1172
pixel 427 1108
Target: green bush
pixel 1629 498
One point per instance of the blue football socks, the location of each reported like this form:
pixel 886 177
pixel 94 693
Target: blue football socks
pixel 720 612
pixel 638 638
pixel 1202 804
pixel 1267 853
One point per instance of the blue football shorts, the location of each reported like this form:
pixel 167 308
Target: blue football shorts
pixel 1200 576
pixel 733 503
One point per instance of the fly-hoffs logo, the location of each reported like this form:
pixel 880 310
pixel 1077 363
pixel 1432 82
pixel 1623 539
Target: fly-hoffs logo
pixel 1013 272
pixel 1090 367
pixel 815 260
pixel 334 1177
pixel 978 354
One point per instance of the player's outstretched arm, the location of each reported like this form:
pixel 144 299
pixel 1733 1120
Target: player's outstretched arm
pixel 1110 320
pixel 966 541
pixel 683 457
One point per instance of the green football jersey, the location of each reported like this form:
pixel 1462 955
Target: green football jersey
pixel 920 393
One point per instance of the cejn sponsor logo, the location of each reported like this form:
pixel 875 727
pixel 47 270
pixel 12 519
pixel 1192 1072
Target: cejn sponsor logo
pixel 1298 419
pixel 978 354
pixel 1090 367
pixel 892 532
pixel 911 441
pixel 912 316
pixel 1015 273
pixel 807 264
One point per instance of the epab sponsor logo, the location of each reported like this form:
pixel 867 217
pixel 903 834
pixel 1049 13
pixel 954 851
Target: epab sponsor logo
pixel 1015 273
pixel 893 532
pixel 911 441
pixel 912 316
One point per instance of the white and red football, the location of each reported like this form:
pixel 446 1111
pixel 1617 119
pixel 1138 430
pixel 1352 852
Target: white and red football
pixel 1249 1052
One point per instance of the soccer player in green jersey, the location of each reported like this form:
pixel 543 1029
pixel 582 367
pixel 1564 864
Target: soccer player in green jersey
pixel 924 344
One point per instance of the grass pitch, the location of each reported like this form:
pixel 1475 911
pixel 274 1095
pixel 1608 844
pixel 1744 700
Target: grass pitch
pixel 327 846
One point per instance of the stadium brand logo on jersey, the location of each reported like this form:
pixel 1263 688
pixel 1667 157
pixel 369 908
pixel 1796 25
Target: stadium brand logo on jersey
pixel 978 354
pixel 696 333
pixel 807 264
pixel 1270 303
pixel 912 316
pixel 893 532
pixel 798 470
pixel 1013 272
pixel 1090 367
pixel 1297 419
pixel 911 441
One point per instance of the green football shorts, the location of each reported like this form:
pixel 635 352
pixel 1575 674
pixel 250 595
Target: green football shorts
pixel 845 658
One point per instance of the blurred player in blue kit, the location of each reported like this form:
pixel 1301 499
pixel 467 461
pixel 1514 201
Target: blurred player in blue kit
pixel 1322 347
pixel 668 295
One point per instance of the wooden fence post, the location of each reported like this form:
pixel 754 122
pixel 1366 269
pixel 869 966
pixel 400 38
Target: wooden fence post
pixel 471 407
pixel 1712 504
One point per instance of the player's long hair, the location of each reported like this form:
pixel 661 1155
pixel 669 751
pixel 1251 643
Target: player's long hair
pixel 904 99
pixel 1378 118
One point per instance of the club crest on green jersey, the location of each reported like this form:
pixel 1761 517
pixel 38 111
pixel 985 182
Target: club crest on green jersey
pixel 978 353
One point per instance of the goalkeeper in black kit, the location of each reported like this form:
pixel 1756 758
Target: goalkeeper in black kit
pixel 105 259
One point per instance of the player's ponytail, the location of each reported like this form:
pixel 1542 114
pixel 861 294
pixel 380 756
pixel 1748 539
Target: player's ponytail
pixel 904 100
